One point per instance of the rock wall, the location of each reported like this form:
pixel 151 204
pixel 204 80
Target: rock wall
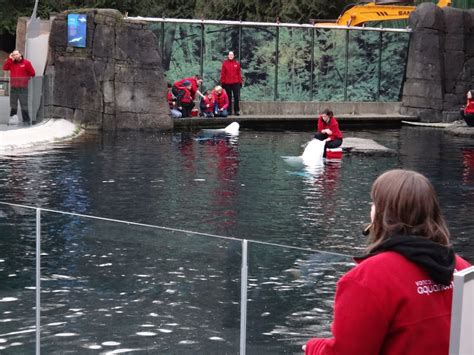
pixel 116 82
pixel 440 68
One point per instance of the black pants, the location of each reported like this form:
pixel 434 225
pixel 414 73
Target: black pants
pixel 329 144
pixel 19 94
pixel 233 91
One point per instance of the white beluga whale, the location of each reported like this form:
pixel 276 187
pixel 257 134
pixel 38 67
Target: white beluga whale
pixel 313 153
pixel 311 162
pixel 229 131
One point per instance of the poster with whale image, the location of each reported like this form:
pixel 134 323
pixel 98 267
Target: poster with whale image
pixel 76 30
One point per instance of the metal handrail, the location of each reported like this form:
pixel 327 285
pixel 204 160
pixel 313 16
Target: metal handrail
pixel 262 24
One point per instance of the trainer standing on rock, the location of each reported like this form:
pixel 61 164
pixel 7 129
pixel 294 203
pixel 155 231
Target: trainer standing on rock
pixel 231 80
pixel 21 71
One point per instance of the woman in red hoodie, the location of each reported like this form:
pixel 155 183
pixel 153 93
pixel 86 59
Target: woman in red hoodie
pixel 328 130
pixel 397 300
pixel 231 80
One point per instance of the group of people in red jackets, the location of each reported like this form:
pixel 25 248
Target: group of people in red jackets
pixel 221 101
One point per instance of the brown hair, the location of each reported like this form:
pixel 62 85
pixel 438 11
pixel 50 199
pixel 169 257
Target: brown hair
pixel 328 112
pixel 406 203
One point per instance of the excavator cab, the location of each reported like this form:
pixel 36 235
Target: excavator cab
pixel 375 11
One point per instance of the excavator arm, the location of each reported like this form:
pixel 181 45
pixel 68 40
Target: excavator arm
pixel 374 11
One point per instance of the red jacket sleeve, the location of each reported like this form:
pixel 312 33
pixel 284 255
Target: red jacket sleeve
pixel 223 72
pixel 320 124
pixel 30 71
pixel 7 64
pixel 359 325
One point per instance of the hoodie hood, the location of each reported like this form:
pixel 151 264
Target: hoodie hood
pixel 436 259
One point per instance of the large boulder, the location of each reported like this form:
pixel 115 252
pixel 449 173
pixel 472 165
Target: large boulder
pixel 115 82
pixel 440 66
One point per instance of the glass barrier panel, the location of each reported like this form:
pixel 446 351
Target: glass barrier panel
pixel 294 64
pixel 181 51
pixel 329 65
pixel 218 41
pixel 258 63
pixel 363 66
pixel 394 59
pixel 17 279
pixel 290 296
pixel 118 288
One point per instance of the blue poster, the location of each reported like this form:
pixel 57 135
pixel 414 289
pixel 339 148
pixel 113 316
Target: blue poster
pixel 76 30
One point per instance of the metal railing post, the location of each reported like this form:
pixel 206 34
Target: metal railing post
pixel 38 281
pixel 379 72
pixel 243 299
pixel 277 53
pixel 346 69
pixel 311 89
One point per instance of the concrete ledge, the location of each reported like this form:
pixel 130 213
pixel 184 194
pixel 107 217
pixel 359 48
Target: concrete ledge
pixel 248 121
pixel 313 107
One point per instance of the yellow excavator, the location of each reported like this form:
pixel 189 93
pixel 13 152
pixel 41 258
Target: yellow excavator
pixel 382 10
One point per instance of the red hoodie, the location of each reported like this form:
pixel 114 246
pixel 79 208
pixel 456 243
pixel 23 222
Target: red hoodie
pixel 388 305
pixel 230 72
pixel 20 72
pixel 469 109
pixel 332 125
pixel 222 99
pixel 194 85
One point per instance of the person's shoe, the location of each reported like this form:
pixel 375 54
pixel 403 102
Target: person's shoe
pixel 237 113
pixel 13 120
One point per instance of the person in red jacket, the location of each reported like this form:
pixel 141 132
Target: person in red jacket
pixel 195 81
pixel 467 111
pixel 328 130
pixel 21 71
pixel 207 104
pixel 172 103
pixel 184 99
pixel 222 102
pixel 231 81
pixel 397 300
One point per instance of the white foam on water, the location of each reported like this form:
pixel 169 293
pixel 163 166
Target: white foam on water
pixel 121 351
pixel 147 325
pixel 110 343
pixel 8 299
pixel 216 338
pixel 66 335
pixel 56 323
pixel 187 342
pixel 62 277
pixel 199 179
pixel 163 330
pixel 153 315
pixel 143 275
pixel 93 346
pixel 146 334
pixel 3 340
pixel 104 265
pixel 6 320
